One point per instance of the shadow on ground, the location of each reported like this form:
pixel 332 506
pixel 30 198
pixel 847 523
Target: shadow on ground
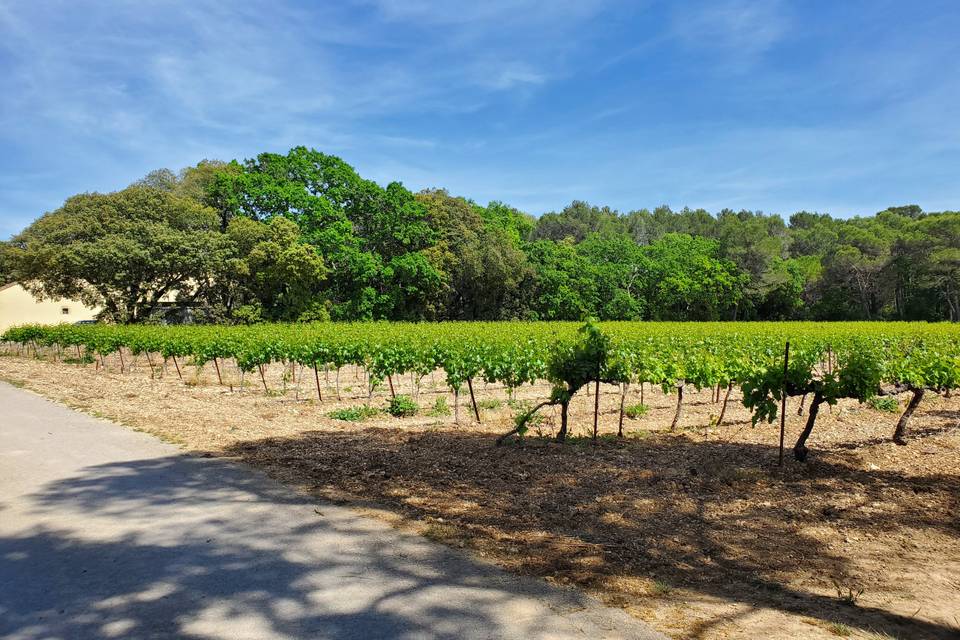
pixel 713 518
pixel 102 564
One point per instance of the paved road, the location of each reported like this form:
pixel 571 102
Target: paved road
pixel 108 533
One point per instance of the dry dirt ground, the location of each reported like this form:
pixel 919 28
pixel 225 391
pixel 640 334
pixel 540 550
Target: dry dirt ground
pixel 697 532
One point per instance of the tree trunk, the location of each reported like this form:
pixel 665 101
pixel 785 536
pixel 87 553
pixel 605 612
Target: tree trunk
pixel 676 416
pixel 562 434
pixel 899 435
pixel 803 399
pixel 263 378
pixel 723 408
pixel 800 449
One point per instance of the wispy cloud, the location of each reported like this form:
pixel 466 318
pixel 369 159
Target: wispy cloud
pixel 761 103
pixel 499 14
pixel 739 30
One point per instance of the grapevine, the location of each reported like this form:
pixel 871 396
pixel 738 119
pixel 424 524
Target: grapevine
pixel 828 361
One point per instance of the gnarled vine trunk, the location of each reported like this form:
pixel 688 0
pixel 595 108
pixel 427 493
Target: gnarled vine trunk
pixel 562 434
pixel 899 434
pixel 723 408
pixel 676 416
pixel 800 449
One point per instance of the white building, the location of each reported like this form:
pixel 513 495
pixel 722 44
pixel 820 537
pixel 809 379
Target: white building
pixel 18 306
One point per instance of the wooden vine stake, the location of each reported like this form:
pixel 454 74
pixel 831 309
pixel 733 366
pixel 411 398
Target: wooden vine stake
pixel 217 365
pixel 316 375
pixel 783 400
pixel 473 399
pixel 177 365
pixel 596 409
pixel 623 397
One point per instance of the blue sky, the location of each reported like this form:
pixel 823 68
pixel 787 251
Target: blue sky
pixel 844 107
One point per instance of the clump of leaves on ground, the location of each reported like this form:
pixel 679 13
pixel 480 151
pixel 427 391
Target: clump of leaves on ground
pixel 354 414
pixel 402 406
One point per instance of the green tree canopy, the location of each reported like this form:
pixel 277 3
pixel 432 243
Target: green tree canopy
pixel 121 251
pixel 369 237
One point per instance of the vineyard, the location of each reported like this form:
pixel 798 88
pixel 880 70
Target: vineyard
pixel 767 361
pixel 637 461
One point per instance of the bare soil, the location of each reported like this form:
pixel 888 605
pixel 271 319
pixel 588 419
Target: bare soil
pixel 698 532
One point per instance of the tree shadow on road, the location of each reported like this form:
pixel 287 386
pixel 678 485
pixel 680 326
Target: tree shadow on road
pixel 191 548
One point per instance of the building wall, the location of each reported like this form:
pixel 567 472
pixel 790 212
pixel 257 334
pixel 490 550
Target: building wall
pixel 17 306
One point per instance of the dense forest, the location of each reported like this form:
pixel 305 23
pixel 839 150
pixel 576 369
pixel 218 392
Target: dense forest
pixel 302 236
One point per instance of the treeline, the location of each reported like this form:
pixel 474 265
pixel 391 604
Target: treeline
pixel 302 236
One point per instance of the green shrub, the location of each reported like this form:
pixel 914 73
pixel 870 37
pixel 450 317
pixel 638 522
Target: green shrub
pixel 490 403
pixel 354 414
pixel 525 420
pixel 402 406
pixel 660 588
pixel 636 411
pixel 440 408
pixel 839 629
pixel 888 404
